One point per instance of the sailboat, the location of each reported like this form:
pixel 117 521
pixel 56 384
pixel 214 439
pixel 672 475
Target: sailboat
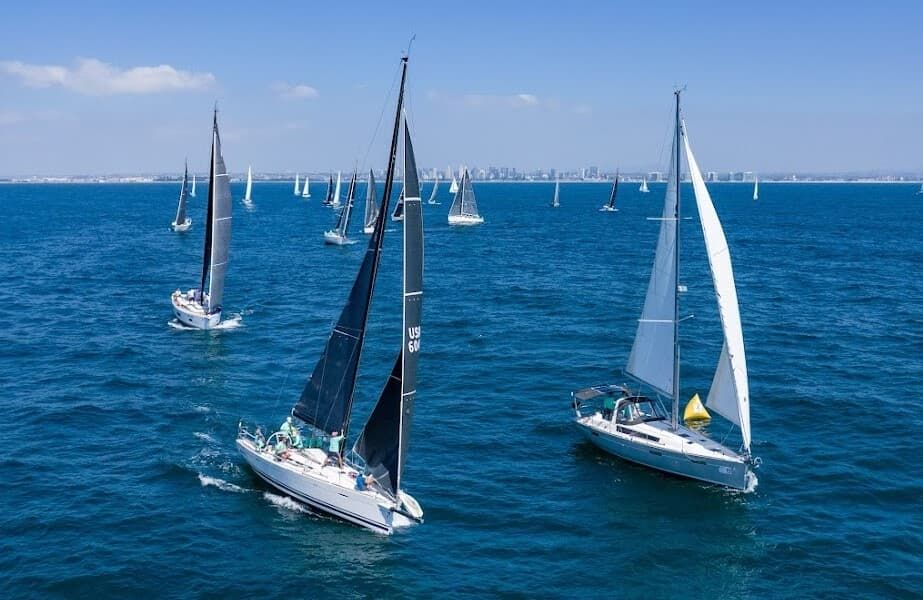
pixel 464 210
pixel 365 486
pixel 335 200
pixel 453 188
pixel 756 188
pixel 398 214
pixel 247 200
pixel 182 222
pixel 297 186
pixel 196 308
pixel 328 200
pixel 556 201
pixel 306 190
pixel 921 189
pixel 338 235
pixel 634 427
pixel 610 205
pixel 432 196
pixel 643 189
pixel 192 192
pixel 371 206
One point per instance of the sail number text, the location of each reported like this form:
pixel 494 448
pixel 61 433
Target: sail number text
pixel 413 343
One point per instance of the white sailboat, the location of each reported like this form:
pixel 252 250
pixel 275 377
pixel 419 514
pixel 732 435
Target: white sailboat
pixel 643 189
pixel 363 487
pixel 306 190
pixel 297 191
pixel 556 201
pixel 192 192
pixel 335 200
pixel 464 209
pixel 634 427
pixel 338 236
pixel 371 206
pixel 247 199
pixel 398 214
pixel 756 188
pixel 182 222
pixel 432 196
pixel 453 188
pixel 921 189
pixel 610 205
pixel 196 308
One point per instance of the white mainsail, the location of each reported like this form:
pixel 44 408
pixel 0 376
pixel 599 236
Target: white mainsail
pixel 557 189
pixel 643 189
pixel 297 189
pixel 336 193
pixel 432 196
pixel 453 189
pixel 192 193
pixel 729 395
pixel 653 357
pixel 306 190
pixel 756 188
pixel 249 185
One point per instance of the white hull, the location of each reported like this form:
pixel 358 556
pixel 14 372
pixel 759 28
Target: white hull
pixel 608 209
pixel 184 226
pixel 368 230
pixel 465 219
pixel 683 452
pixel 306 477
pixel 398 218
pixel 335 239
pixel 247 203
pixel 189 311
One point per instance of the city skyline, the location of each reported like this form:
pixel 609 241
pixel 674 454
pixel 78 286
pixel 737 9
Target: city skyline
pixel 781 89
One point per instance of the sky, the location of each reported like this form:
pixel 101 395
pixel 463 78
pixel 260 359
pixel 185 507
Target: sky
pixel 772 87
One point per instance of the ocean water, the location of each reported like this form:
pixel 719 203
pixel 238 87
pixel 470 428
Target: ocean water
pixel 120 475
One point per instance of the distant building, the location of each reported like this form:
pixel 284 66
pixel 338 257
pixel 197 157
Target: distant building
pixel 711 176
pixel 655 176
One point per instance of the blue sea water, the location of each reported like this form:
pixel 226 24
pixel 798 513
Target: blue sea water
pixel 120 476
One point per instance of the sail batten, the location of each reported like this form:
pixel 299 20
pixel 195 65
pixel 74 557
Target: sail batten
pixel 729 395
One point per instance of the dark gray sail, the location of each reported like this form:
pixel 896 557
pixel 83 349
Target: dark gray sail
pixel 399 208
pixel 465 202
pixel 615 191
pixel 343 221
pixel 181 209
pixel 371 202
pixel 327 399
pixel 384 440
pixel 218 225
pixel 329 199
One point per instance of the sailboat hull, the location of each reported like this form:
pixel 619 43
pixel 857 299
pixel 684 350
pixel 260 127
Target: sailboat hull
pixel 684 452
pixel 335 239
pixel 184 226
pixel 306 477
pixel 190 313
pixel 608 209
pixel 465 219
pixel 368 229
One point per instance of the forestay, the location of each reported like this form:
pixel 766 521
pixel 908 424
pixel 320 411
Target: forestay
pixel 729 395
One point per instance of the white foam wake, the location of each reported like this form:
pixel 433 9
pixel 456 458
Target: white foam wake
pixel 205 437
pixel 221 484
pixel 285 502
pixel 232 322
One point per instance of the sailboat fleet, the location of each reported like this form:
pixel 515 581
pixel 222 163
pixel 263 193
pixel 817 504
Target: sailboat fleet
pixel 359 478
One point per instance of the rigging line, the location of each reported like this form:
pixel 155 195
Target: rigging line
pixel 381 116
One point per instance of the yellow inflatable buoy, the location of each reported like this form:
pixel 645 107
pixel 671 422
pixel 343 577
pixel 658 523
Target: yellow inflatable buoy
pixel 695 411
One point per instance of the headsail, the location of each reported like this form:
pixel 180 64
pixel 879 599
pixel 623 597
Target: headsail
pixel 652 359
pixel 729 395
pixel 384 440
pixel 181 207
pixel 371 202
pixel 218 225
pixel 327 399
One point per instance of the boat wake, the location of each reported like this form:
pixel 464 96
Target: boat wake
pixel 205 437
pixel 232 322
pixel 221 484
pixel 285 502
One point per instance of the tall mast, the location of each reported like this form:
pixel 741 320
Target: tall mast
pixel 674 417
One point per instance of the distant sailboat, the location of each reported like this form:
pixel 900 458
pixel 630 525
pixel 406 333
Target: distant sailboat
pixel 196 308
pixel 632 426
pixel 453 188
pixel 398 214
pixel 756 188
pixel 328 200
pixel 182 222
pixel 432 196
pixel 556 201
pixel 306 191
pixel 335 200
pixel 364 486
pixel 921 189
pixel 464 210
pixel 643 189
pixel 247 200
pixel 192 192
pixel 610 205
pixel 338 236
pixel 371 206
pixel 297 186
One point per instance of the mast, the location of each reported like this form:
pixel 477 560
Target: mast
pixel 674 417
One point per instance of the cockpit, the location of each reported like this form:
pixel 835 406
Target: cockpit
pixel 636 409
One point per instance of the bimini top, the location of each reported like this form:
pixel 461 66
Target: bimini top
pixel 600 390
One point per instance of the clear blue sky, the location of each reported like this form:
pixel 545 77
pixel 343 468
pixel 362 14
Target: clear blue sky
pixel 773 86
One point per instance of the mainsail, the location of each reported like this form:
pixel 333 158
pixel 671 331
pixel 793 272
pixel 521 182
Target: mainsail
pixel 614 192
pixel 556 202
pixel 453 188
pixel 371 202
pixel 181 208
pixel 327 399
pixel 465 202
pixel 729 395
pixel 756 188
pixel 343 221
pixel 384 440
pixel 653 357
pixel 335 201
pixel 297 188
pixel 192 192
pixel 432 196
pixel 218 225
pixel 306 190
pixel 249 184
pixel 329 199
